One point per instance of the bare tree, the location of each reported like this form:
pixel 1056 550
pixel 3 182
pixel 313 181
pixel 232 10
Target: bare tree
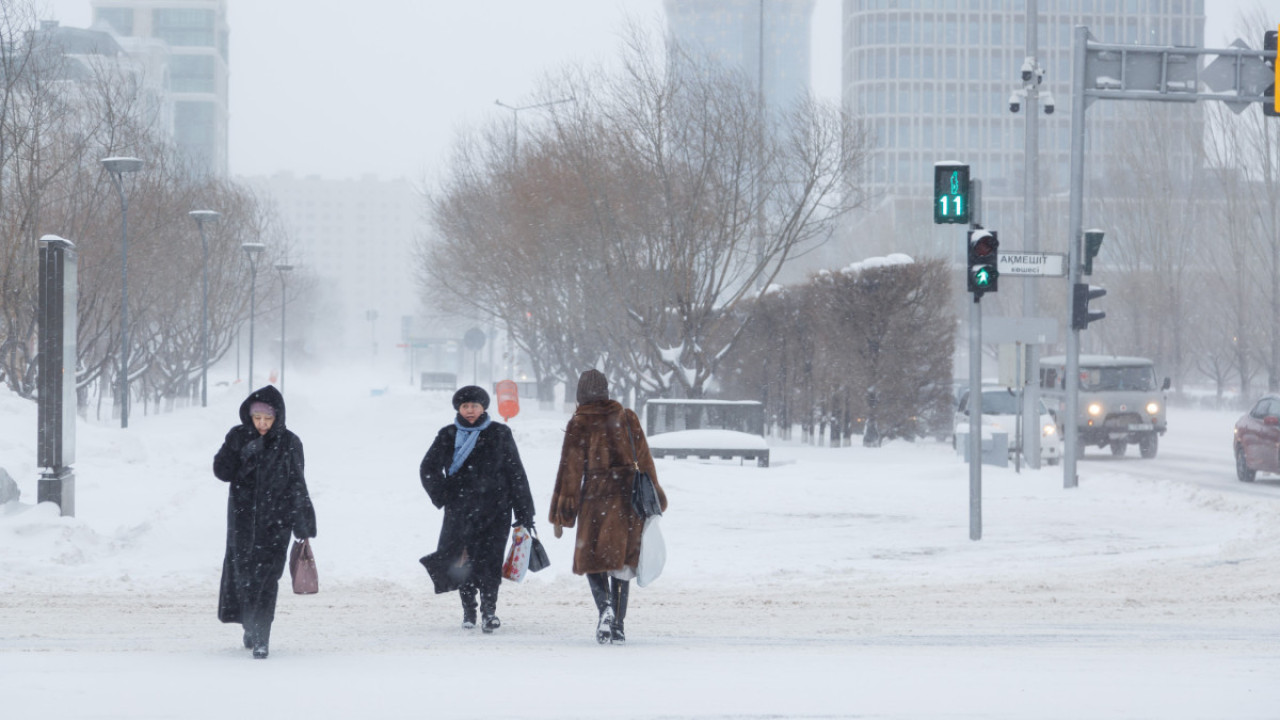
pixel 634 224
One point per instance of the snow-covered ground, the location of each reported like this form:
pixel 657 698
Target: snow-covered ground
pixel 836 583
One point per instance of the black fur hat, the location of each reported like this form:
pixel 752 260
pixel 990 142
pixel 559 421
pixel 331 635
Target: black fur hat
pixel 471 393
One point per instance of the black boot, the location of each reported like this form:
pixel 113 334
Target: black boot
pixel 261 636
pixel 468 596
pixel 620 590
pixel 599 583
pixel 489 610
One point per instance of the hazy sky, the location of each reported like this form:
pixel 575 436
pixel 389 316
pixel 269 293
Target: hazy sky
pixel 383 87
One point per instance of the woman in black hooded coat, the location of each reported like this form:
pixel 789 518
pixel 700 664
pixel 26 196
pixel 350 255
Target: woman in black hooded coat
pixel 267 501
pixel 473 471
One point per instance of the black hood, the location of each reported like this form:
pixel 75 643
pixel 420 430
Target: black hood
pixel 269 395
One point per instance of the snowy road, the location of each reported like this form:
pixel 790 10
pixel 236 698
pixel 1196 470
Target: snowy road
pixel 838 583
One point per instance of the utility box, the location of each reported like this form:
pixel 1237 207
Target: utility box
pixel 995 448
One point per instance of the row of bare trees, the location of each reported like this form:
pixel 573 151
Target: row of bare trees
pixel 635 225
pixel 867 350
pixel 59 116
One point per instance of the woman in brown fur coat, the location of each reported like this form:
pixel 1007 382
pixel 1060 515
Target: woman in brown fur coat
pixel 593 486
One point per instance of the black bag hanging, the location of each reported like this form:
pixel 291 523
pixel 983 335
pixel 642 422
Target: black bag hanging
pixel 538 559
pixel 644 497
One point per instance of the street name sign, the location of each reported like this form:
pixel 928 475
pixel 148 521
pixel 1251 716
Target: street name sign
pixel 1036 264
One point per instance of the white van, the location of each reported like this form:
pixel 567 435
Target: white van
pixel 1120 402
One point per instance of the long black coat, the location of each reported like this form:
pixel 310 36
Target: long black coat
pixel 480 499
pixel 267 501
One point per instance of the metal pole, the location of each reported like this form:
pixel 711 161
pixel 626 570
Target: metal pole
pixel 200 216
pixel 253 305
pixel 116 167
pixel 204 322
pixel 975 420
pixel 1075 224
pixel 284 269
pixel 1030 386
pixel 515 120
pixel 252 250
pixel 282 316
pixel 124 303
pixel 759 199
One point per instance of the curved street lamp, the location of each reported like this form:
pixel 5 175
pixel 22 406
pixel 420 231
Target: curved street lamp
pixel 283 269
pixel 252 249
pixel 116 167
pixel 201 217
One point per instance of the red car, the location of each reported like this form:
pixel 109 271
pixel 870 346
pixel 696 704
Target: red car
pixel 1257 439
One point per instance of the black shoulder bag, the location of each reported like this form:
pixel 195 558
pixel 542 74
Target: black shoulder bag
pixel 644 497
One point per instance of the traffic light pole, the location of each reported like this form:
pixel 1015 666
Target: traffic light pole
pixel 1030 387
pixel 975 419
pixel 1070 424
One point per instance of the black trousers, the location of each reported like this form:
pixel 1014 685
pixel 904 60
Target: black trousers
pixel 486 574
pixel 258 608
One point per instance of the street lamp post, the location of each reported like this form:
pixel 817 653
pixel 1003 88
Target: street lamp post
pixel 116 167
pixel 515 119
pixel 515 153
pixel 283 269
pixel 252 249
pixel 201 217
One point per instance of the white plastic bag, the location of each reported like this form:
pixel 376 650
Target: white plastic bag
pixel 653 552
pixel 517 562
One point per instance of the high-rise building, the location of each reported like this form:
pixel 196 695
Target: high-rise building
pixel 197 35
pixel 730 31
pixel 933 79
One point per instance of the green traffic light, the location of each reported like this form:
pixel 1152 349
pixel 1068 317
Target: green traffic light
pixel 982 277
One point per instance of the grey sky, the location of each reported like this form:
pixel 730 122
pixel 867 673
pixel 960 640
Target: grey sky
pixel 383 87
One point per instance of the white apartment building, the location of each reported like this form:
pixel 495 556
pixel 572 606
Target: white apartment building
pixel 354 239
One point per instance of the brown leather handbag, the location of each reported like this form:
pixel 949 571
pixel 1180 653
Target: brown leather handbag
pixel 302 568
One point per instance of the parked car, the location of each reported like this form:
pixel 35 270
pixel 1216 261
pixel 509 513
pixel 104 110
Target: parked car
pixel 1000 411
pixel 1257 439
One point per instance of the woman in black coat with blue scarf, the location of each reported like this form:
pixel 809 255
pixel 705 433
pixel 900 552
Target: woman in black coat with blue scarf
pixel 268 500
pixel 473 471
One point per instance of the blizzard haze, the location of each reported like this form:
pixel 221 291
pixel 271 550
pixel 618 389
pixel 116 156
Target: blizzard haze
pixel 384 87
pixel 836 583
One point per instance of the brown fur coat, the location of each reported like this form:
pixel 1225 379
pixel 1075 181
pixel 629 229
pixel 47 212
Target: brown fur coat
pixel 594 485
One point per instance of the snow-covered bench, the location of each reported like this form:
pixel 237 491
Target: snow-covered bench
pixel 706 444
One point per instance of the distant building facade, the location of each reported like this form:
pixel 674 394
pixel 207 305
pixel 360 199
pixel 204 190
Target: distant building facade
pixel 355 238
pixel 933 80
pixel 197 73
pixel 730 31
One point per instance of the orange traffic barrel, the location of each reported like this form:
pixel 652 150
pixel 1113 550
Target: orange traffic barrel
pixel 508 394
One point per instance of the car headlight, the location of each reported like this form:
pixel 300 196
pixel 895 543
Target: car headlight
pixel 1095 409
pixel 1049 430
pixel 1153 408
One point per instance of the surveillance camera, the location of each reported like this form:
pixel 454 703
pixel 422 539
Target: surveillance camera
pixel 1028 66
pixel 1015 103
pixel 1048 103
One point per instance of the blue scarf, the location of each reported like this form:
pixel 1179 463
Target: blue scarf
pixel 465 441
